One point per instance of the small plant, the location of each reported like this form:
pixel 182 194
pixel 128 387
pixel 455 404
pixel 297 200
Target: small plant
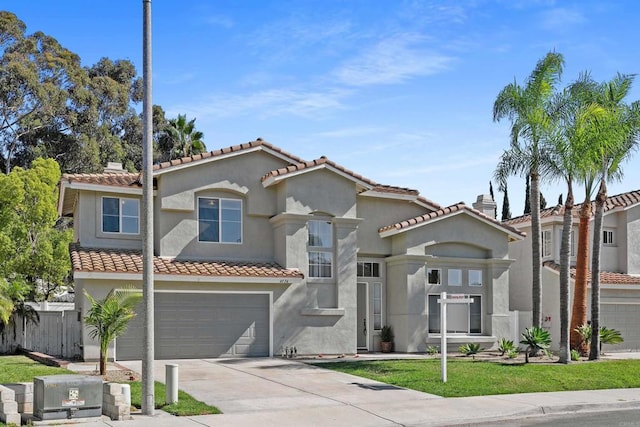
pixel 386 334
pixel 504 345
pixel 607 336
pixel 575 356
pixel 470 349
pixel 536 339
pixel 432 350
pixel 512 353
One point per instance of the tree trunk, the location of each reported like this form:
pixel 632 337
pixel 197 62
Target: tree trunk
pixel 536 289
pixel 579 309
pixel 601 198
pixel 565 250
pixel 103 363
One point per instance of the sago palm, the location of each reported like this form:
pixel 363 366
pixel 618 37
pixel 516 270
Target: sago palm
pixel 186 140
pixel 526 107
pixel 108 318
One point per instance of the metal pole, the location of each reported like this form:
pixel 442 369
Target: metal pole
pixel 443 335
pixel 148 400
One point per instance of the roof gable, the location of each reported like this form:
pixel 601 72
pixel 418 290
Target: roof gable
pixel 448 212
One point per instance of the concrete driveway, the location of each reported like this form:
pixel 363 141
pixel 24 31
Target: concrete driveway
pixel 286 392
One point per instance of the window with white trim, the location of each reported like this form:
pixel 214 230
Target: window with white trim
pixel 546 243
pixel 320 248
pixel 608 237
pixel 219 220
pixel 434 276
pixel 475 277
pixel 368 269
pixel 454 277
pixel 377 306
pixel 120 215
pixel 574 244
pixel 461 318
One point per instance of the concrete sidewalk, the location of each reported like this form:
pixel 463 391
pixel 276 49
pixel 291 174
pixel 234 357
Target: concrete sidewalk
pixel 280 392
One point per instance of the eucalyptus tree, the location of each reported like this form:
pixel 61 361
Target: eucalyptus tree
pixel 526 107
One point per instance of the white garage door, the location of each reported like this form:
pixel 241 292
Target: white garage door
pixel 625 318
pixel 202 325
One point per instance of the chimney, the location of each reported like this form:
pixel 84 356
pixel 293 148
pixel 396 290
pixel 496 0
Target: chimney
pixel 114 167
pixel 486 205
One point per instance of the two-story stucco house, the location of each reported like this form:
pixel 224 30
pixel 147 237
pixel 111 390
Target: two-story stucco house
pixel 619 266
pixel 257 250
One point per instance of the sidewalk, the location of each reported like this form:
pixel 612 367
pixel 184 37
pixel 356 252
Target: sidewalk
pixel 280 392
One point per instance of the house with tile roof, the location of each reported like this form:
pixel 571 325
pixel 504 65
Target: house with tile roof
pixel 620 267
pixel 258 252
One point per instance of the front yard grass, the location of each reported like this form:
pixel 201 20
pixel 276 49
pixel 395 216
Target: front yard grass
pixel 22 369
pixel 480 378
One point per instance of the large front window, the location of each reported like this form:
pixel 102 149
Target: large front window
pixel 219 220
pixel 120 215
pixel 320 249
pixel 461 318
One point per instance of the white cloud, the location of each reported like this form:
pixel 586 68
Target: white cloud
pixel 392 60
pixel 560 18
pixel 219 21
pixel 267 103
pixel 462 163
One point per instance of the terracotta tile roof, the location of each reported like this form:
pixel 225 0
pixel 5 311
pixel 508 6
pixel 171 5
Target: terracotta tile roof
pixel 606 277
pixel 623 200
pixel 126 179
pixel 444 212
pixel 235 148
pixel 130 261
pixel 324 161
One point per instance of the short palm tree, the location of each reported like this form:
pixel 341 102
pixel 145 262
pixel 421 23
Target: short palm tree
pixel 527 110
pixel 186 140
pixel 108 318
pixel 536 339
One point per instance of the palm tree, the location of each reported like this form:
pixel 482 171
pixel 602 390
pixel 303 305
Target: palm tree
pixel 617 128
pixel 526 108
pixel 185 140
pixel 108 318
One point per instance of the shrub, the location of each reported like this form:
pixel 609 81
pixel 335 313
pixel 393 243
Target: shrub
pixel 512 353
pixel 536 339
pixel 432 350
pixel 504 345
pixel 575 356
pixel 607 336
pixel 386 334
pixel 469 349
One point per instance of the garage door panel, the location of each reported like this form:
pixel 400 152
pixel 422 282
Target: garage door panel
pixel 625 318
pixel 203 326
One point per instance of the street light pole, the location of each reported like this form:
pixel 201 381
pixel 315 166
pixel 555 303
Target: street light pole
pixel 148 401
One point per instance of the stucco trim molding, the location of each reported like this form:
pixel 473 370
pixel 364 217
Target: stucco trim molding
pixel 287 217
pixel 186 278
pixel 322 311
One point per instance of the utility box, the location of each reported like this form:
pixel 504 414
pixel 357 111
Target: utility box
pixel 57 397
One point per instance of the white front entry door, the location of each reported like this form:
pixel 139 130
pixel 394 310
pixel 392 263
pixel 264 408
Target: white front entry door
pixel 361 320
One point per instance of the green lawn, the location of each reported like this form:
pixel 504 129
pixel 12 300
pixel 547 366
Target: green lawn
pixel 21 369
pixel 478 378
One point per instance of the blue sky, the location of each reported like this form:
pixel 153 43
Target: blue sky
pixel 398 91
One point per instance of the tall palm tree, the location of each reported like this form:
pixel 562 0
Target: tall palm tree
pixel 526 109
pixel 185 139
pixel 617 130
pixel 108 318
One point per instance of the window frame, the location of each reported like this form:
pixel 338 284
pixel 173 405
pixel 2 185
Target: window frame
pixel 429 270
pixel 120 215
pixel 374 286
pixel 471 283
pixel 477 300
pixel 374 268
pixel 449 271
pixel 611 241
pixel 220 220
pixel 320 250
pixel 547 243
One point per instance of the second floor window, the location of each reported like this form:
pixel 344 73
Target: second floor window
pixel 120 215
pixel 219 220
pixel 320 249
pixel 546 243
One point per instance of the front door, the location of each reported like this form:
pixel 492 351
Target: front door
pixel 361 320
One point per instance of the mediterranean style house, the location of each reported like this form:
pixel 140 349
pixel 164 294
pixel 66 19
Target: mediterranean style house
pixel 258 252
pixel 620 268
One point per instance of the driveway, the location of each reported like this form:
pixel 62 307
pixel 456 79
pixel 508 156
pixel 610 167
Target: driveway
pixel 286 392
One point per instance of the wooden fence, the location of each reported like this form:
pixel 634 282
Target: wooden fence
pixel 59 334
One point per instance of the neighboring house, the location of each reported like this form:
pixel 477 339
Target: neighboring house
pixel 257 251
pixel 619 266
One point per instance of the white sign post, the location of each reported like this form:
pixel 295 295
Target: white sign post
pixel 453 299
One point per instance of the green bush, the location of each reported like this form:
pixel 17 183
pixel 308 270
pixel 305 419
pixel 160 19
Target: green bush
pixel 505 345
pixel 432 350
pixel 512 353
pixel 469 349
pixel 575 356
pixel 536 339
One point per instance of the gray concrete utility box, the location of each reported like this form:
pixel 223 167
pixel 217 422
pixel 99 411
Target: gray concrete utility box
pixel 57 397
